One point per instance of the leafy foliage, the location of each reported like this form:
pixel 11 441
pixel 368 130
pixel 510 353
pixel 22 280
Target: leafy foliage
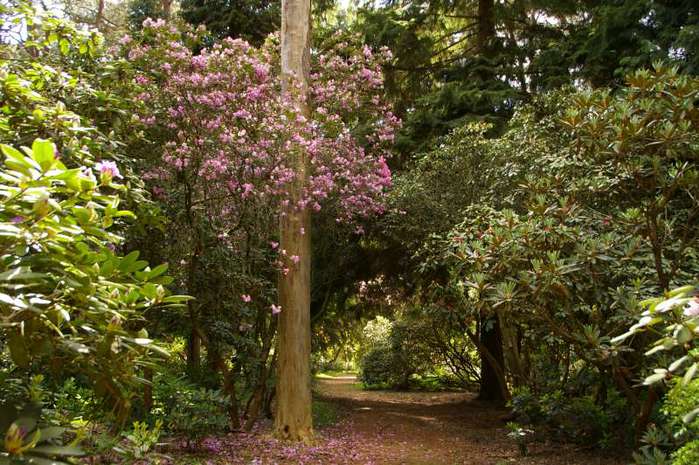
pixel 67 296
pixel 27 439
pixel 395 355
pixel 250 20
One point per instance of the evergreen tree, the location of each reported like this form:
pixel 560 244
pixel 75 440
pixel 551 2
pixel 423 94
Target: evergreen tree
pixel 464 60
pixel 251 20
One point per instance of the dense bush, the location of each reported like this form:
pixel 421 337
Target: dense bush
pixel 687 454
pixel 571 418
pixel 377 368
pixel 86 302
pixel 587 206
pixel 75 297
pixel 396 352
pixel 674 318
pixel 194 412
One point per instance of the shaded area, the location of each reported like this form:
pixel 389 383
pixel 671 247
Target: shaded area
pixel 418 428
pixel 391 428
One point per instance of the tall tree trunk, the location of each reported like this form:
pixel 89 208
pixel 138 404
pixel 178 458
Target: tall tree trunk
pixel 166 7
pixel 511 349
pixel 492 382
pixel 293 419
pixel 486 25
pixel 99 16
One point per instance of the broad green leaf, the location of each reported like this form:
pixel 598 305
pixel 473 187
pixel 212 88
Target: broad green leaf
pixel 688 418
pixel 18 349
pixel 43 152
pixel 63 451
pixel 654 378
pixel 689 375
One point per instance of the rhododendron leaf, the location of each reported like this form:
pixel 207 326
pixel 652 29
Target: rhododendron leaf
pixel 654 378
pixel 691 372
pixel 43 152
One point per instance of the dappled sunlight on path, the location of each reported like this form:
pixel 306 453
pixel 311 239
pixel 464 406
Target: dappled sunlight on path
pixel 393 428
pixel 420 428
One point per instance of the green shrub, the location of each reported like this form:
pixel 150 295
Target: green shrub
pixel 197 413
pixel 27 437
pixel 188 409
pixel 396 352
pixel 139 443
pixel 69 301
pixel 377 368
pixel 687 454
pixel 579 419
pixel 681 400
pixel 73 400
pixel 674 317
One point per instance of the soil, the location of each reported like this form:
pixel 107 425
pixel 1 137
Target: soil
pixel 393 428
pixel 443 428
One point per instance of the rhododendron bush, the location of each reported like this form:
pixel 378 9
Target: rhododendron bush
pixel 228 131
pixel 219 159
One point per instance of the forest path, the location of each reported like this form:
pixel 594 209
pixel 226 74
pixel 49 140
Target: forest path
pixel 388 428
pixel 442 428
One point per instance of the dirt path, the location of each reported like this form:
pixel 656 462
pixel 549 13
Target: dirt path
pixel 396 428
pixel 389 428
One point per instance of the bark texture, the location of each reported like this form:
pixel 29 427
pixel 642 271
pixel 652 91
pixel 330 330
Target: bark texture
pixel 293 419
pixel 493 387
pixel 486 25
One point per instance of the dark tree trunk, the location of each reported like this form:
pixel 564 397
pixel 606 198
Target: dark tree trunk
pixel 269 399
pixel 486 25
pixel 148 390
pixel 219 364
pixel 492 383
pixel 99 16
pixel 194 351
pixel 166 6
pixel 257 401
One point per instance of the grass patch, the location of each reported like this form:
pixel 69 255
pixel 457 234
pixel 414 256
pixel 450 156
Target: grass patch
pixel 335 374
pixel 425 383
pixel 324 414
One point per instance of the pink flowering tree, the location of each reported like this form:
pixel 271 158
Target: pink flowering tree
pixel 221 134
pixel 227 124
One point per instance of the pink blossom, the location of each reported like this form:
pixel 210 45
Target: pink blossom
pixel 246 298
pixel 228 130
pixel 108 169
pixel 276 309
pixel 692 307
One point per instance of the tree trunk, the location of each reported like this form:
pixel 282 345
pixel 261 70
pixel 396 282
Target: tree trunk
pixel 194 351
pixel 99 16
pixel 492 388
pixel 293 419
pixel 148 390
pixel 166 7
pixel 486 25
pixel 229 389
pixel 511 349
pixel 257 399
